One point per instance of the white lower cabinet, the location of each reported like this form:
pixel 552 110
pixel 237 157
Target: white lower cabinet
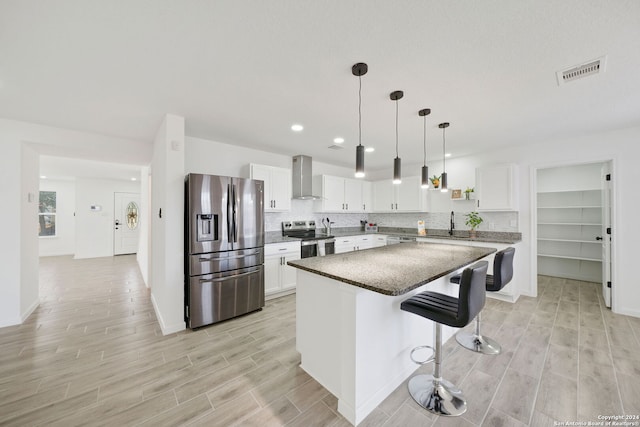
pixel 512 291
pixel 359 242
pixel 379 240
pixel 279 278
pixel 345 244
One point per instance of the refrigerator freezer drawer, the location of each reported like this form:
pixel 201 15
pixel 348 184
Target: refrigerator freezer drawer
pixel 225 261
pixel 222 296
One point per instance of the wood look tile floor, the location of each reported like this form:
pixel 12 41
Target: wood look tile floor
pixel 92 354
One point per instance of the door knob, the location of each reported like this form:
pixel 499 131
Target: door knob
pixel 599 238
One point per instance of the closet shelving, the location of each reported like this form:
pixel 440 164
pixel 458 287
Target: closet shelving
pixel 569 224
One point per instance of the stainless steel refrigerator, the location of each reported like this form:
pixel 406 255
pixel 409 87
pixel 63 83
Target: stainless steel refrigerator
pixel 224 248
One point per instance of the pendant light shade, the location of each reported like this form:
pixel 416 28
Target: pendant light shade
pixel 425 169
pixel 359 161
pixel 443 179
pixel 359 70
pixel 397 172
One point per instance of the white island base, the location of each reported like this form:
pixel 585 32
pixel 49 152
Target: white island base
pixel 356 342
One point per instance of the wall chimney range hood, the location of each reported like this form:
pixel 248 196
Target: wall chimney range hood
pixel 302 173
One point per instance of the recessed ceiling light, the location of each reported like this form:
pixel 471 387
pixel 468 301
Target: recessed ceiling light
pixel 447 155
pixel 134 178
pixel 296 128
pixel 369 149
pixel 43 177
pixel 338 140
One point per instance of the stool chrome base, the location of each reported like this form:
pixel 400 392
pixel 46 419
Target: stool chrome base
pixel 437 396
pixel 478 343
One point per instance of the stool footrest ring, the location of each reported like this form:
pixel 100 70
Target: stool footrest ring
pixel 428 359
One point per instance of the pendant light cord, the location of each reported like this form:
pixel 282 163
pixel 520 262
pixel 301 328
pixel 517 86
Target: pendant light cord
pixel 396 128
pixel 425 140
pixel 359 110
pixel 443 150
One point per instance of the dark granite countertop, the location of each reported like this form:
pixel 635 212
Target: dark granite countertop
pixel 483 236
pixel 277 237
pixel 395 269
pixel 460 235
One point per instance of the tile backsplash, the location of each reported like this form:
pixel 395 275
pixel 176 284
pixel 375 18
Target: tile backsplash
pixel 303 209
pixel 493 221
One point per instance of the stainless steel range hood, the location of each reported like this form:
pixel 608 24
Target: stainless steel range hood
pixel 302 183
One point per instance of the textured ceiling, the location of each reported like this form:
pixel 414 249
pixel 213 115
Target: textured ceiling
pixel 242 72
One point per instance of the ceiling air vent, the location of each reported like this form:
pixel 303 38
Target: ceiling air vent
pixel 576 72
pixel 335 147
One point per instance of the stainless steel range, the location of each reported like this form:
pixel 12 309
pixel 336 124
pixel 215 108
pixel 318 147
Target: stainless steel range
pixel 313 243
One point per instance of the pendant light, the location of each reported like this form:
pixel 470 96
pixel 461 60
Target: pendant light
pixel 443 179
pixel 359 70
pixel 397 173
pixel 425 169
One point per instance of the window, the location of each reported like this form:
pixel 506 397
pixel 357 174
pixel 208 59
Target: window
pixel 47 214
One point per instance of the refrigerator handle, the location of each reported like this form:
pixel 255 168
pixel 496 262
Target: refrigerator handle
pixel 222 279
pixel 229 202
pixel 235 215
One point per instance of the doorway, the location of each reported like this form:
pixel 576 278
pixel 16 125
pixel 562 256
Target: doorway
pixel 126 230
pixel 573 211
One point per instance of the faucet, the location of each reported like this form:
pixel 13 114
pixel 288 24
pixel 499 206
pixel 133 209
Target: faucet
pixel 452 225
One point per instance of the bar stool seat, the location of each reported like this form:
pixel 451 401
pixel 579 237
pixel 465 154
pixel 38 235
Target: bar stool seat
pixel 502 275
pixel 432 392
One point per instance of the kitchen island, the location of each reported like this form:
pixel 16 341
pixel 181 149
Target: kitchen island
pixel 351 334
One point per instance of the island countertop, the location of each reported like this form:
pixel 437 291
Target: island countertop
pixel 396 269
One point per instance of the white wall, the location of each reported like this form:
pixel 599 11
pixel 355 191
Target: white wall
pixel 143 256
pixel 167 270
pixel 28 248
pixel 64 242
pixel 217 158
pixel 10 243
pixel 94 229
pixel 19 243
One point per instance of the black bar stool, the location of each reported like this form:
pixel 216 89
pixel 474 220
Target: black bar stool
pixel 432 392
pixel 502 275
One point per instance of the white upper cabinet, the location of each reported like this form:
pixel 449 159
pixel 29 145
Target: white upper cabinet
pixel 496 188
pixel 353 195
pixel 338 194
pixel 277 186
pixel 367 196
pixel 405 197
pixel 383 196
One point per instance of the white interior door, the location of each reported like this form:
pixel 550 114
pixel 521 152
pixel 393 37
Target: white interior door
pixel 606 233
pixel 126 230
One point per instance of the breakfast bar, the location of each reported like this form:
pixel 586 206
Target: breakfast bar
pixel 351 334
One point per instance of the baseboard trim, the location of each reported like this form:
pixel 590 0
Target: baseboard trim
pixel 166 329
pixel 24 316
